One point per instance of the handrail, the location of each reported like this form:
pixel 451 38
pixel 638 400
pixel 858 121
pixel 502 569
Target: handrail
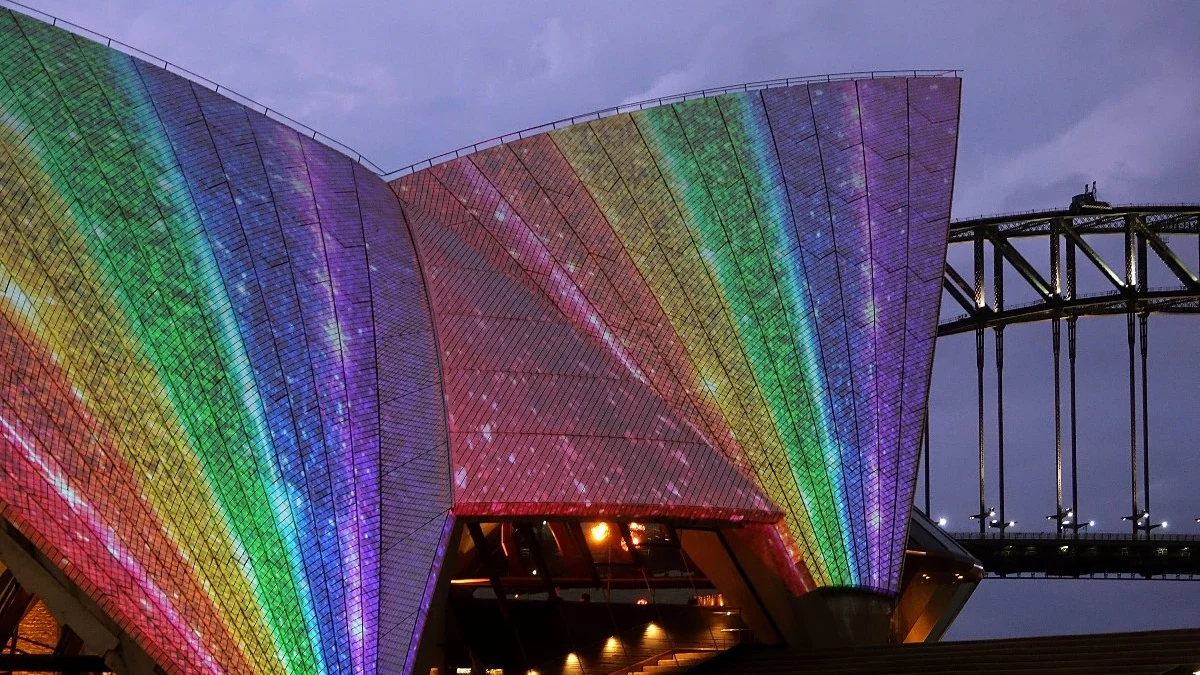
pixel 1083 537
pixel 1049 214
pixel 638 667
pixel 474 147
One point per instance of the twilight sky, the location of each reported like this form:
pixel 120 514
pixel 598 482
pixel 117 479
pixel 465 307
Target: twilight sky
pixel 1054 94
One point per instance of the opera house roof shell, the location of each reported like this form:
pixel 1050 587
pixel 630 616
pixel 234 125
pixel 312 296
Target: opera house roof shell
pixel 247 386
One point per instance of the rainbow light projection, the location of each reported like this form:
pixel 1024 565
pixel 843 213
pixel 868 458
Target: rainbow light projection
pixel 242 404
pixel 752 278
pixel 203 408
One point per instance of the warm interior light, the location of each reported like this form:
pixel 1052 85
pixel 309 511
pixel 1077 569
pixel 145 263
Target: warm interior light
pixel 642 601
pixel 599 532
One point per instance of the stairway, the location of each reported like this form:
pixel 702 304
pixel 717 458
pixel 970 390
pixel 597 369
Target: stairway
pixel 678 661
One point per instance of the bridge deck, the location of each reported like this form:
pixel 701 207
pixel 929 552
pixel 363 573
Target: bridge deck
pixel 1089 555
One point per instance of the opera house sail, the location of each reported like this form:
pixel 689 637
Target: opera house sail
pixel 262 406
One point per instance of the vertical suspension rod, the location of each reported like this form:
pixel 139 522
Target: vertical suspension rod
pixel 1143 274
pixel 1071 364
pixel 1142 335
pixel 980 303
pixel 1074 427
pixel 998 290
pixel 979 359
pixel 1131 335
pixel 1056 340
pixel 1133 442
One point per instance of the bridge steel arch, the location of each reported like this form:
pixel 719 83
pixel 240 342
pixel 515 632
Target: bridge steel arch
pixel 1145 229
pixel 1150 237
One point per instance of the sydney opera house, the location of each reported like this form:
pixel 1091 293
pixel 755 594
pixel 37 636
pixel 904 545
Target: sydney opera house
pixel 650 382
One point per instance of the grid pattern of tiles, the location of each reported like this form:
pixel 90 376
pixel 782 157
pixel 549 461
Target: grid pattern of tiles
pixel 203 411
pixel 666 304
pixel 223 407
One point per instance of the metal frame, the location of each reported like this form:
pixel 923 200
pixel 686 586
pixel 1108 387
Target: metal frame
pixel 1089 556
pixel 1145 231
pixel 1144 228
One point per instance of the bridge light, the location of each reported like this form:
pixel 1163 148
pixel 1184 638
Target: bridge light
pixel 990 513
pixel 942 522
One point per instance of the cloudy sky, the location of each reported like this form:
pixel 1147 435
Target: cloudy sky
pixel 1055 94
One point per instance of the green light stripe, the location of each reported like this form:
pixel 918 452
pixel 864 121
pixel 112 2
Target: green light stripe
pixel 737 255
pixel 151 246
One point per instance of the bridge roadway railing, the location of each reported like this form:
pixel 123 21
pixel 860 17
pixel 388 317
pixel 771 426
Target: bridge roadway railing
pixel 1084 555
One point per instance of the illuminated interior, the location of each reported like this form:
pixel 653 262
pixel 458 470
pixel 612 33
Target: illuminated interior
pixel 28 627
pixel 558 595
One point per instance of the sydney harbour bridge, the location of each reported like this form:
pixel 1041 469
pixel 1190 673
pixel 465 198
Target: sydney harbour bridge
pixel 1105 265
